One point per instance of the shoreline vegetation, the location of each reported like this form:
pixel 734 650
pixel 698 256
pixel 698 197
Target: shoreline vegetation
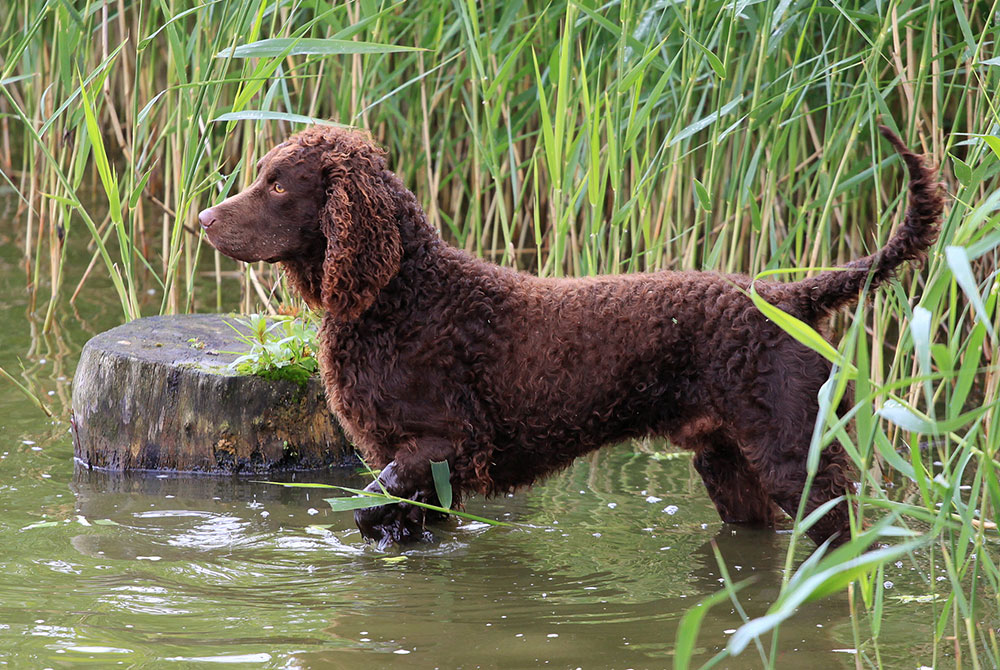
pixel 569 139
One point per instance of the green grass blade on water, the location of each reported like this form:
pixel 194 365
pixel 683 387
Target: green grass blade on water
pixel 297 485
pixel 358 502
pixel 826 580
pixel 442 482
pixel 360 499
pixel 379 499
pixel 435 508
pixel 817 514
pixel 690 625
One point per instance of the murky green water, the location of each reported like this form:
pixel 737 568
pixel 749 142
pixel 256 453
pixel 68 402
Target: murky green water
pixel 181 572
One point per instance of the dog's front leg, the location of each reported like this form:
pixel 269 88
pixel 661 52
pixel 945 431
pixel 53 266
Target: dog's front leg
pixel 398 523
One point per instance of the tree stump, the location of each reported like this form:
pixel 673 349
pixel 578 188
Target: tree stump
pixel 158 394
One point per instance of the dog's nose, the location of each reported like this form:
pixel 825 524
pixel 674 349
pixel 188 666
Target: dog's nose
pixel 207 218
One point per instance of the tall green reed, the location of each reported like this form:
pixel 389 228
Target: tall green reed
pixel 575 138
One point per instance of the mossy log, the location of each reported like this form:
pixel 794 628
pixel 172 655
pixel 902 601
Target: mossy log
pixel 158 394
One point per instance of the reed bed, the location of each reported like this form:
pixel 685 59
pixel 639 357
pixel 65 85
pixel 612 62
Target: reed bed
pixel 571 138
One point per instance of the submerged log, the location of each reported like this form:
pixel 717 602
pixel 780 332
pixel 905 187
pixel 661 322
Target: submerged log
pixel 158 394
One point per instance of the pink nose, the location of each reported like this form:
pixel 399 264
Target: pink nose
pixel 207 218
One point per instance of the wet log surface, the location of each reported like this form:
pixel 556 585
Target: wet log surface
pixel 158 394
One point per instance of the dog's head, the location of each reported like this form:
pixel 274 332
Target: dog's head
pixel 323 197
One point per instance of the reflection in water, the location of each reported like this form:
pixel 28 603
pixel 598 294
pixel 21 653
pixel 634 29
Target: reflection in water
pixel 595 570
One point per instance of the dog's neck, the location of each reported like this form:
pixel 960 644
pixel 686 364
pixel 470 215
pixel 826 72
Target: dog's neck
pixel 305 274
pixel 418 237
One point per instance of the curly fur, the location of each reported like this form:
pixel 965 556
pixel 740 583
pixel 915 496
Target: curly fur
pixel 431 354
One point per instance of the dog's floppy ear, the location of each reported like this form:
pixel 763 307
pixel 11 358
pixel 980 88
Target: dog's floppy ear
pixel 363 246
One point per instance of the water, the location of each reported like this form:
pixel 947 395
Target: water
pixel 595 571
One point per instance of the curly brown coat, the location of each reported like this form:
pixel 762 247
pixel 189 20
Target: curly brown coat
pixel 431 354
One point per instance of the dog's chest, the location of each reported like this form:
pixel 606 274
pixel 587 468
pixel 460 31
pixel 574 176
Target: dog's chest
pixel 378 395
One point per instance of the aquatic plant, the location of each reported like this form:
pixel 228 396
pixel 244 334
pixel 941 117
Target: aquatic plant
pixel 283 349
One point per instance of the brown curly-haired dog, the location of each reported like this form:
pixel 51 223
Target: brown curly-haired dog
pixel 429 354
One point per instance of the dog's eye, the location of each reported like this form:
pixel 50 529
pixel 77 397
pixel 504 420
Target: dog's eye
pixel 278 188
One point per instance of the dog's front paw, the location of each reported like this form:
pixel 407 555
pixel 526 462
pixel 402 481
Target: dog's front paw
pixel 398 523
pixel 390 524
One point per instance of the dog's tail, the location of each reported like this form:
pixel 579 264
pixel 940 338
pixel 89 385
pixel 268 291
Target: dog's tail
pixel 815 297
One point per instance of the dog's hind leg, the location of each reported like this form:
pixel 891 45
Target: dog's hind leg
pixel 780 463
pixel 732 484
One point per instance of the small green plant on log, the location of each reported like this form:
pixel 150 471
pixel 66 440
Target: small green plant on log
pixel 281 349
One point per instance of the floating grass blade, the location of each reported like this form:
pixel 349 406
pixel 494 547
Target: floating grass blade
pixel 359 502
pixel 690 625
pixel 442 482
pixel 379 499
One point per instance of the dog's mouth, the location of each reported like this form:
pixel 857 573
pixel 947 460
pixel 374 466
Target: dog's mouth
pixel 235 240
pixel 237 250
pixel 218 239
